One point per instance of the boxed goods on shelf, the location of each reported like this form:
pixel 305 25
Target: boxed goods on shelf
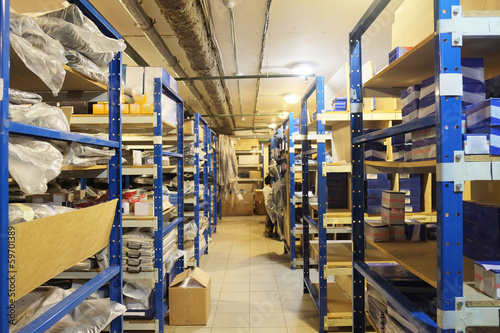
pixel 393 199
pixel 392 216
pixel 487 277
pixel 415 231
pixel 374 185
pixel 410 185
pixel 397 53
pixel 338 104
pixel 189 129
pixel 248 159
pixel 375 150
pixel 397 232
pixel 481 230
pixel 246 144
pixel 484 118
pixel 190 298
pixel 377 231
pixel 476 144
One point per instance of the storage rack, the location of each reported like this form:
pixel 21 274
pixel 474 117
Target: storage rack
pixel 458 305
pixel 212 191
pixel 113 274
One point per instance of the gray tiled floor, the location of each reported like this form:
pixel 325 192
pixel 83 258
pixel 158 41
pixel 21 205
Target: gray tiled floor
pixel 253 288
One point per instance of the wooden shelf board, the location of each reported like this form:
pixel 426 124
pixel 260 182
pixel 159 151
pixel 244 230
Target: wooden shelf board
pixel 131 123
pixel 338 302
pixel 24 79
pixel 89 168
pixel 418 64
pixel 342 253
pixel 400 167
pixel 481 158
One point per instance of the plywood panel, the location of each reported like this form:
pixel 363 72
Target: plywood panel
pixel 48 246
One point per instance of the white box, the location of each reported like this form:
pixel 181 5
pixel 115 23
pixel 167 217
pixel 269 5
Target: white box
pixel 248 159
pixel 137 157
pixel 125 208
pixel 144 208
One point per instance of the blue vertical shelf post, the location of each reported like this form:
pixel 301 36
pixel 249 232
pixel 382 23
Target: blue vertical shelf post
pixel 215 207
pixel 206 187
pixel 291 172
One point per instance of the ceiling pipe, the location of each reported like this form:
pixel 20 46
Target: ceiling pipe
pixel 230 6
pixel 245 115
pixel 245 77
pixel 145 23
pixel 262 49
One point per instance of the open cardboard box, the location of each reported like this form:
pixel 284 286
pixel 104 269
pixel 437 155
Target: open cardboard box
pixel 48 246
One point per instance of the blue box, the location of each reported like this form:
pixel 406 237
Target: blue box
pixel 431 231
pixel 427 106
pixel 378 184
pixel 488 253
pixel 428 88
pixel 489 216
pixel 415 231
pixel 375 193
pixel 373 210
pixel 471 229
pixel 409 183
pixel 411 191
pixel 412 208
pixel 473 70
pixel 489 237
pixel 410 111
pixel 296 121
pixel 409 176
pixel 482 114
pixel 373 202
pixel 398 139
pixel 471 211
pixel 412 199
pixel 397 53
pixel 375 155
pixel 472 249
pixel 473 93
pixel 494 136
pixel 493 87
pixel 410 94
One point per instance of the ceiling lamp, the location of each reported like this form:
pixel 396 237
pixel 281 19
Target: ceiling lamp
pixel 272 126
pixel 302 69
pixel 291 98
pixel 283 115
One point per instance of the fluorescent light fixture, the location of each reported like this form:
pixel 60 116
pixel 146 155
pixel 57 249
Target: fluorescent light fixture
pixel 272 126
pixel 243 118
pixel 302 69
pixel 283 115
pixel 291 98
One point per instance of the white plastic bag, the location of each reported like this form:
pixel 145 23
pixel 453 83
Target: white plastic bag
pixel 190 231
pixel 23 97
pixel 82 64
pixel 39 114
pixel 75 31
pixel 33 163
pixel 85 155
pixel 25 212
pixel 91 316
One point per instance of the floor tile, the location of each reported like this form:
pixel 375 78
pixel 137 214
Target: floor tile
pixel 233 307
pixel 231 320
pixel 268 319
pixel 234 296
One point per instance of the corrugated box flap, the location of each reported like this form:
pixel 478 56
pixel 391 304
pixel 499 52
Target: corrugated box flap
pixel 179 278
pixel 201 276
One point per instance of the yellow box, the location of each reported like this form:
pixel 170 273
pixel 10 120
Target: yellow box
pixel 125 108
pixel 106 108
pixel 98 108
pixel 140 99
pixel 135 109
pixel 147 108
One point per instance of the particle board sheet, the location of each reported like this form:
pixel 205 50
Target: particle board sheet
pixel 341 253
pixel 420 258
pixel 46 247
pixel 339 303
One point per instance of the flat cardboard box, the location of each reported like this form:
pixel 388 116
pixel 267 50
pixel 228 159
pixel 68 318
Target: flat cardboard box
pixel 246 144
pixel 260 205
pixel 46 247
pixel 189 129
pixel 248 159
pixel 190 298
pixel 487 277
pixel 393 199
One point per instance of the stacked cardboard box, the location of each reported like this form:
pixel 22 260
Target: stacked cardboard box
pixel 481 230
pixel 374 185
pixel 483 127
pixel 375 150
pixel 393 213
pixel 410 185
pixel 397 53
pixel 336 190
pixel 423 144
pixel 401 150
pixel 415 231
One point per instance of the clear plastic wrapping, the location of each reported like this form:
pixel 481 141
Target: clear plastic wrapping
pixel 23 97
pixel 33 164
pixel 228 168
pixel 269 202
pixel 137 292
pixel 190 231
pixel 75 31
pixel 82 64
pixel 81 155
pixel 25 212
pixel 91 316
pixel 39 114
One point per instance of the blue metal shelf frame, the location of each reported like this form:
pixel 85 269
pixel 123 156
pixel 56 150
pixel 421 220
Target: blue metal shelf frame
pixel 113 274
pixel 212 193
pixel 200 121
pixel 449 202
pixel 319 297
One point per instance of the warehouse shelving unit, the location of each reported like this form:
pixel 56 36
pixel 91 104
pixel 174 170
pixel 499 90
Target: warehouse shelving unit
pixel 113 274
pixel 458 305
pixel 212 191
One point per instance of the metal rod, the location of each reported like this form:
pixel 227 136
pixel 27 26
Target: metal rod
pixel 244 77
pixel 242 115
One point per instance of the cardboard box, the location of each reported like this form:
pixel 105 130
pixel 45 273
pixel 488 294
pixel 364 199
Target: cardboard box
pixel 255 175
pixel 59 197
pixel 144 208
pixel 392 216
pixel 189 129
pixel 248 159
pixel 260 205
pixel 377 231
pixel 248 188
pixel 246 144
pixel 393 199
pixel 38 198
pixel 68 111
pixel 239 208
pixel 79 194
pixel 397 232
pixel 415 231
pixel 487 278
pixel 190 298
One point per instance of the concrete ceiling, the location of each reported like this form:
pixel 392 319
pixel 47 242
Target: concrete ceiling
pixel 299 31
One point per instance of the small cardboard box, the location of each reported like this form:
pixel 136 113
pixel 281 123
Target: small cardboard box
pixel 190 298
pixel 393 199
pixel 144 208
pixel 260 205
pixel 239 208
pixel 392 216
pixel 59 197
pixel 79 194
pixel 248 159
pixel 246 144
pixel 377 231
pixel 189 128
pixel 487 277
pixel 415 231
pixel 255 175
pixel 397 232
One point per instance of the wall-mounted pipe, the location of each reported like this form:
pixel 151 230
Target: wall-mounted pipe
pixel 244 77
pixel 145 23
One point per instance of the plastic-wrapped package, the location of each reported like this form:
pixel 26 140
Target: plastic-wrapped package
pixel 39 114
pixel 81 64
pixel 23 97
pixel 279 193
pixel 83 266
pixel 92 315
pixel 49 69
pixel 25 212
pixel 269 202
pixel 189 189
pixel 137 292
pixel 33 163
pixel 228 168
pixel 75 31
pixel 85 155
pixel 172 259
pixel 190 231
